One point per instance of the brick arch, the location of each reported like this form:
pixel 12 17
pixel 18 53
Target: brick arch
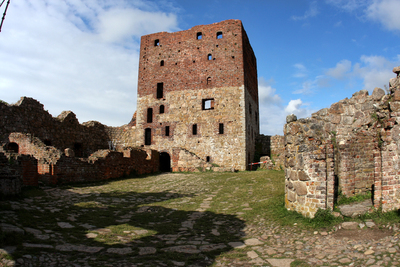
pixel 12 146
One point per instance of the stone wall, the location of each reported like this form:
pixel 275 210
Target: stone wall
pixel 59 150
pixel 274 148
pixel 352 147
pixel 197 91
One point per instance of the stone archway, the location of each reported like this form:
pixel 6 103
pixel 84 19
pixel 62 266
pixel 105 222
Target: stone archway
pixel 165 162
pixel 13 147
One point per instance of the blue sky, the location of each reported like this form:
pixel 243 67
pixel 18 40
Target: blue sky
pixel 82 55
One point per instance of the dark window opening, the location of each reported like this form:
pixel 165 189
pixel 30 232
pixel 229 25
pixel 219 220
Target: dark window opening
pixel 208 80
pixel 166 130
pixel 219 35
pixel 160 90
pixel 13 147
pixel 78 149
pixel 47 142
pixel 209 57
pixel 162 109
pixel 157 42
pixel 149 115
pixel 147 136
pixel 221 128
pixel 208 158
pixel 208 104
pixel 250 109
pixel 194 129
pixel 199 36
pixel 162 63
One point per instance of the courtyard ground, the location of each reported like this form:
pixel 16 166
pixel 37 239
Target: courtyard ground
pixel 183 219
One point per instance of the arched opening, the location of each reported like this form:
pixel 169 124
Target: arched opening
pixel 13 147
pixel 165 162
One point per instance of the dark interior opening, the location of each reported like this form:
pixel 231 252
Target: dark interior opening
pixel 165 162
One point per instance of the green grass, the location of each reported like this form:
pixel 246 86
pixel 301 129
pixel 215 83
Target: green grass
pixel 344 200
pixel 229 203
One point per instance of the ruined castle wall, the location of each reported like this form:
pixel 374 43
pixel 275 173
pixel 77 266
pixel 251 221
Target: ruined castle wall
pixel 359 147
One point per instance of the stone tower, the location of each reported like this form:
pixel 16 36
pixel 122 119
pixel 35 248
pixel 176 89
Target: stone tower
pixel 198 97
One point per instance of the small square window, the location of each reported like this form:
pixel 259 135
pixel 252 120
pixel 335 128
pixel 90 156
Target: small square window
pixel 208 104
pixel 219 35
pixel 209 57
pixel 157 42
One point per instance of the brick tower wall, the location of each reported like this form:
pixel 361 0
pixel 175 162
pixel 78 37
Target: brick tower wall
pixel 194 67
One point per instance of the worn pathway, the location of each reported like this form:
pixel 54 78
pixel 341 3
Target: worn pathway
pixel 166 221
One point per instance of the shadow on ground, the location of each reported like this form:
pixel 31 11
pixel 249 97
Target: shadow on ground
pixel 115 229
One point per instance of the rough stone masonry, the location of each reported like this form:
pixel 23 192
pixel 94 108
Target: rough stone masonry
pixel 353 146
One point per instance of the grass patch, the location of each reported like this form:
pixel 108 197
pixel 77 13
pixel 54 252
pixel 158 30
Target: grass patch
pixel 344 200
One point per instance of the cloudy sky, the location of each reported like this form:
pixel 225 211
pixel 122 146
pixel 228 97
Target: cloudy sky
pixel 82 55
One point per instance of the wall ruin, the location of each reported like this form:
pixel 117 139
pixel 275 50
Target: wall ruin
pixel 40 148
pixel 352 147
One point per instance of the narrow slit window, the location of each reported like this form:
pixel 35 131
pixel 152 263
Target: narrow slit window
pixel 162 109
pixel 160 90
pixel 208 104
pixel 194 129
pixel 147 136
pixel 208 80
pixel 221 128
pixel 149 115
pixel 162 63
pixel 208 158
pixel 209 57
pixel 199 35
pixel 166 130
pixel 157 42
pixel 219 35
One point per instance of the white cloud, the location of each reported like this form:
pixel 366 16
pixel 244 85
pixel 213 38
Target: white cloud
pixel 349 5
pixel 373 71
pixel 266 93
pixel 301 70
pixel 341 70
pixel 386 12
pixel 376 71
pixel 311 12
pixel 273 112
pixel 65 55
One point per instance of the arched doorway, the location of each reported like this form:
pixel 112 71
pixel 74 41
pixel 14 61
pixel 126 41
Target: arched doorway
pixel 13 147
pixel 165 162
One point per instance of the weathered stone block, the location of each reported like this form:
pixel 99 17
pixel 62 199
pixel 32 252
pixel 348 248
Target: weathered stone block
pixel 303 176
pixel 300 188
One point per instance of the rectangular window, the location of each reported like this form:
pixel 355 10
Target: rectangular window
pixel 166 130
pixel 194 129
pixel 149 115
pixel 157 42
pixel 160 90
pixel 208 104
pixel 221 128
pixel 147 136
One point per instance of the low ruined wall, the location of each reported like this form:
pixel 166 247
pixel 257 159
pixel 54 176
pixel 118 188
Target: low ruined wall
pixel 28 116
pixel 352 147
